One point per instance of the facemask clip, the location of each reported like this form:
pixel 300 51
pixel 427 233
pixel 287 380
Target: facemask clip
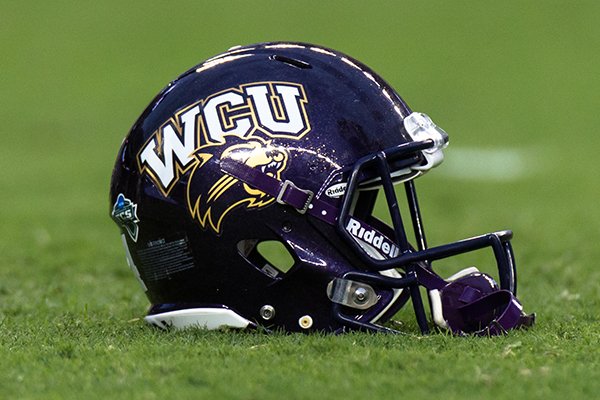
pixel 351 294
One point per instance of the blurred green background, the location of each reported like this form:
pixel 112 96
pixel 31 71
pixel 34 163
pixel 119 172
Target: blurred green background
pixel 516 77
pixel 514 83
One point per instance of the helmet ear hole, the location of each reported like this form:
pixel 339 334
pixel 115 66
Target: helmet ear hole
pixel 276 254
pixel 271 257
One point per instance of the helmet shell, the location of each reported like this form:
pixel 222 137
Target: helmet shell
pixel 305 114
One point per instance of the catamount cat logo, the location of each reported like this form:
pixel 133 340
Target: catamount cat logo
pixel 239 123
pixel 205 198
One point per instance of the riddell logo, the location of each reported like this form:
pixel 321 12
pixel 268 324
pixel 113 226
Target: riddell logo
pixel 372 237
pixel 336 190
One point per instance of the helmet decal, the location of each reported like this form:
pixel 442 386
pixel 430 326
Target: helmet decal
pixel 237 123
pixel 204 198
pixel 124 213
pixel 253 110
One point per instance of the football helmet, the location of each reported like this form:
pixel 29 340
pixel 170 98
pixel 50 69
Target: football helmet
pixel 246 195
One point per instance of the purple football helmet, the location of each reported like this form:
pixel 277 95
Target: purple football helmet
pixel 287 146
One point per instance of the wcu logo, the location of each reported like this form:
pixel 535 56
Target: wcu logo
pixel 259 109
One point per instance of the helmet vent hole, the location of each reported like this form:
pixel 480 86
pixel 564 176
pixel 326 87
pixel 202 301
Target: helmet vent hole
pixel 271 257
pixel 291 61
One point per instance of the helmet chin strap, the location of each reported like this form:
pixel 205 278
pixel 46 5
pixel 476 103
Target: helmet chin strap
pixel 284 192
pixel 304 201
pixel 467 303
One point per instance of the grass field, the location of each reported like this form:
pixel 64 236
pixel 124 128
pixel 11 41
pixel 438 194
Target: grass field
pixel 517 82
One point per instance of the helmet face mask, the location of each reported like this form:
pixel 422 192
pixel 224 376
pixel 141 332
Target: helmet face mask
pixel 288 144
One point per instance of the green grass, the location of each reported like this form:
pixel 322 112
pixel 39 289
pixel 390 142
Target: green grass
pixel 74 77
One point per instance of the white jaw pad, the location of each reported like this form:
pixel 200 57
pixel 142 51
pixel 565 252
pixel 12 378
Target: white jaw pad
pixel 202 318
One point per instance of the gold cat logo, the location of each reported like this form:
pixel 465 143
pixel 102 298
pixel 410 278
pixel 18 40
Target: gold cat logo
pixel 238 123
pixel 209 203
